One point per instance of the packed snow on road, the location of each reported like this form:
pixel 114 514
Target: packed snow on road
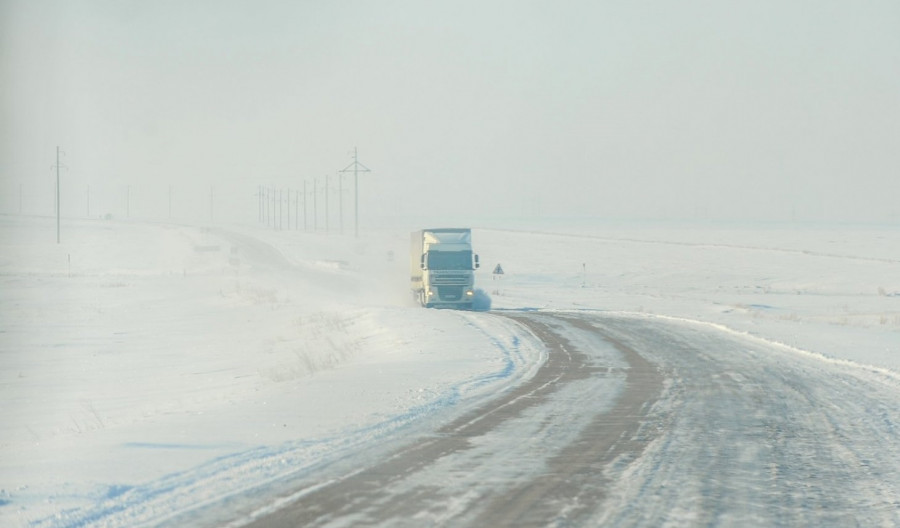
pixel 151 370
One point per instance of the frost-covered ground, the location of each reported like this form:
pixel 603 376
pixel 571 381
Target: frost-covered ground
pixel 831 290
pixel 148 368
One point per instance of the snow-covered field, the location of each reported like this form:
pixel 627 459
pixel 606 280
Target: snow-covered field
pixel 146 368
pixel 149 368
pixel 831 290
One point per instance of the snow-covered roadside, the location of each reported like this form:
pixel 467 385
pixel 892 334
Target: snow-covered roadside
pixel 833 291
pixel 148 368
pixel 145 369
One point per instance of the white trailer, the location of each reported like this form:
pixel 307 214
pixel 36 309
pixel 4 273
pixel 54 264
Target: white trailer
pixel 442 267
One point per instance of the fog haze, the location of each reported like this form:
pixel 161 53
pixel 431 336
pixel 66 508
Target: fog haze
pixel 466 112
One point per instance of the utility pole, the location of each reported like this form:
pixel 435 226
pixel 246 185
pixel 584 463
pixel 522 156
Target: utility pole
pixel 326 204
pixel 297 211
pixel 341 202
pixel 58 207
pixel 305 227
pixel 357 168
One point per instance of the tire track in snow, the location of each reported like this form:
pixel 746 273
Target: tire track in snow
pixel 402 490
pixel 756 435
pixel 574 482
pixel 363 496
pixel 711 428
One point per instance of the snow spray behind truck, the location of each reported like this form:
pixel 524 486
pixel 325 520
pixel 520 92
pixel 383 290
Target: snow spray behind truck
pixel 442 268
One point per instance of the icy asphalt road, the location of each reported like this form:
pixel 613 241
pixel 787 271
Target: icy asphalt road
pixel 639 421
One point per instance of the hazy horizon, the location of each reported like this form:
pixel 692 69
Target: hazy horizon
pixel 759 111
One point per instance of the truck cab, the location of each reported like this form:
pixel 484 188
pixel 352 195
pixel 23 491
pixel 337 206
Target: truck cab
pixel 442 268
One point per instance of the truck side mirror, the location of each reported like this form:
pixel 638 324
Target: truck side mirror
pixel 477 263
pixel 422 261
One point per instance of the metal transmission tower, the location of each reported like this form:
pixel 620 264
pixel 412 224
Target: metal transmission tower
pixel 357 167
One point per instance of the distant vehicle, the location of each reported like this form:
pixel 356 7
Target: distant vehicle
pixel 442 268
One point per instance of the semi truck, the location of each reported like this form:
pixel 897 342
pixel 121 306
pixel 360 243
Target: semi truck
pixel 442 268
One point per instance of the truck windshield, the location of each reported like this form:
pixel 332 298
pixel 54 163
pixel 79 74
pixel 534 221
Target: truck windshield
pixel 450 260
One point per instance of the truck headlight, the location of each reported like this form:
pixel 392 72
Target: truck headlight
pixel 430 293
pixel 469 293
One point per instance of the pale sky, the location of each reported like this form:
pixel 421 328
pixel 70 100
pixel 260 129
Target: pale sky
pixel 466 112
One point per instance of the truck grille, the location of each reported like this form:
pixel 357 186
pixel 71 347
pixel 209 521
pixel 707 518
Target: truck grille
pixel 453 279
pixel 450 293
